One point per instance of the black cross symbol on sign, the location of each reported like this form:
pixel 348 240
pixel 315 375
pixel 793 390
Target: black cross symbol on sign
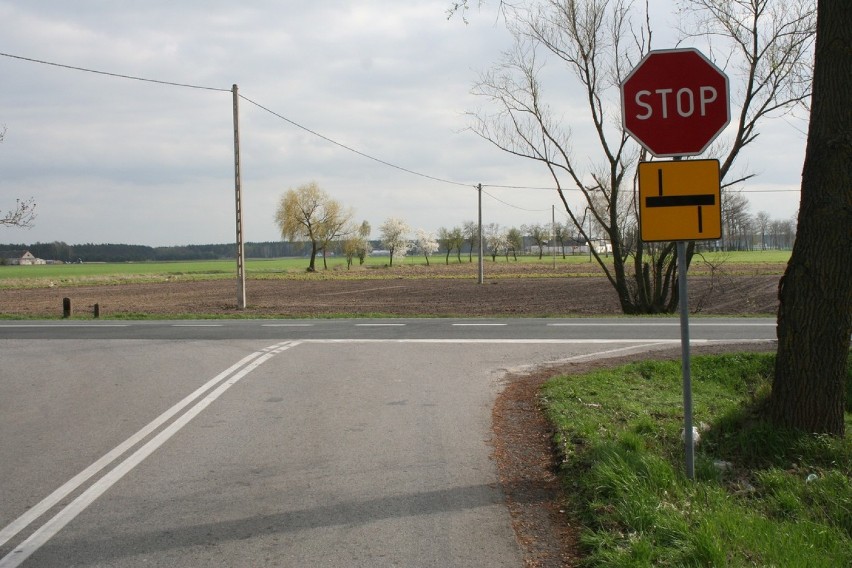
pixel 698 200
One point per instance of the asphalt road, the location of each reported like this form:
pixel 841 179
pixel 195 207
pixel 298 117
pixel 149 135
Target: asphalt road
pixel 273 443
pixel 404 329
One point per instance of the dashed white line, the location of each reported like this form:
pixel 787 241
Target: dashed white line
pixel 662 324
pixel 94 325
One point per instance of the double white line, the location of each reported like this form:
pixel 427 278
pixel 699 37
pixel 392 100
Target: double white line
pixel 219 384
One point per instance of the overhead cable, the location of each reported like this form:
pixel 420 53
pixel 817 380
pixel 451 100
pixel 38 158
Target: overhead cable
pixel 514 206
pixel 353 150
pixel 95 71
pixel 313 132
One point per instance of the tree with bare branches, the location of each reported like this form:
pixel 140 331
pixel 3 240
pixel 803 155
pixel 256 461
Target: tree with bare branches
pixel 540 235
pixel 598 42
pixel 23 214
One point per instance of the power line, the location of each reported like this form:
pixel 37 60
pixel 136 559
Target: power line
pixel 514 206
pixel 119 75
pixel 285 119
pixel 326 138
pixel 292 122
pixel 353 150
pixel 527 187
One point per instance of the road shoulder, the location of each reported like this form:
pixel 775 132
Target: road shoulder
pixel 527 462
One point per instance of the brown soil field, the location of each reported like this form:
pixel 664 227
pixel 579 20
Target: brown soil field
pixel 441 291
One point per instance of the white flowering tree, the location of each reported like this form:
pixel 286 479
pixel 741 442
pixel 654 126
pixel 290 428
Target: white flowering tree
pixel 496 238
pixel 394 236
pixel 426 243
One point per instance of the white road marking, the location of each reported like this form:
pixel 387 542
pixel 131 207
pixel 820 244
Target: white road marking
pixel 197 325
pixel 55 325
pixel 480 324
pixel 661 324
pixel 528 341
pixel 380 325
pixel 231 376
pixel 595 355
pixel 287 325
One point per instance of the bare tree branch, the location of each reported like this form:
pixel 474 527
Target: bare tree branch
pixel 768 43
pixel 23 215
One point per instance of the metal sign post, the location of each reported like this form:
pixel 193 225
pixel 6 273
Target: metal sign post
pixel 679 201
pixel 675 102
pixel 688 441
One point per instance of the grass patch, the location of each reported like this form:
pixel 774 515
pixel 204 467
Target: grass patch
pixel 375 268
pixel 748 257
pixel 762 496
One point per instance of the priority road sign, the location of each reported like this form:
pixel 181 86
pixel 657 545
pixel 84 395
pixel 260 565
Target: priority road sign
pixel 680 201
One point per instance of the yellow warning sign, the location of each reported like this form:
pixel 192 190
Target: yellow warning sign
pixel 680 200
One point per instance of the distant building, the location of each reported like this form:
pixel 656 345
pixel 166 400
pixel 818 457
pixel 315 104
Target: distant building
pixel 19 257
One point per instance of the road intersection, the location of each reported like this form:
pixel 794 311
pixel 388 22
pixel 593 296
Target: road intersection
pixel 274 443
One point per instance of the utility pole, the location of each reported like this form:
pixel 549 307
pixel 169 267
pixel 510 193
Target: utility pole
pixel 241 274
pixel 553 233
pixel 481 268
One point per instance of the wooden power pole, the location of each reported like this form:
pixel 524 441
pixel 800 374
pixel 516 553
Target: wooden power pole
pixel 241 274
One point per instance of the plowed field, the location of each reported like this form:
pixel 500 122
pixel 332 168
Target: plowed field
pixel 510 289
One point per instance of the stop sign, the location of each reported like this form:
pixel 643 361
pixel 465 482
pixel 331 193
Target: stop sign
pixel 675 102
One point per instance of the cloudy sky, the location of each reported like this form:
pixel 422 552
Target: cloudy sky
pixel 116 160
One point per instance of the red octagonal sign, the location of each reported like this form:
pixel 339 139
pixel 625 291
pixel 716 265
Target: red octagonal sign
pixel 675 102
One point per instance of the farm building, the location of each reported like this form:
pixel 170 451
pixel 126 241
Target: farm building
pixel 19 257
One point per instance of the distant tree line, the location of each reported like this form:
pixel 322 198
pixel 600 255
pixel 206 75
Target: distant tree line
pixel 741 231
pixel 63 252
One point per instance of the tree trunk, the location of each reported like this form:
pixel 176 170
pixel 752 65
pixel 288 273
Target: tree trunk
pixel 815 313
pixel 312 264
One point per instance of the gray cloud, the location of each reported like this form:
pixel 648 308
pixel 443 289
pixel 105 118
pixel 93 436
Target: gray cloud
pixel 116 160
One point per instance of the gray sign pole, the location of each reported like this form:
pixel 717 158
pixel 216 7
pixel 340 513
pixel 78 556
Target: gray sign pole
pixel 683 300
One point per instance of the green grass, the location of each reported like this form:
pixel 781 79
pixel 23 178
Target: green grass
pixel 762 496
pixel 748 257
pixel 294 268
pixel 291 268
